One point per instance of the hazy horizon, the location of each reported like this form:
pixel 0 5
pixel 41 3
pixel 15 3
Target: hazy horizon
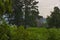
pixel 45 6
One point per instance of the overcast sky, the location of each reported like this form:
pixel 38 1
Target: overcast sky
pixel 45 6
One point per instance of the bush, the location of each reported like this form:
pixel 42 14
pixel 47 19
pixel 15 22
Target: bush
pixel 40 33
pixel 45 34
pixel 19 33
pixel 54 34
pixel 4 32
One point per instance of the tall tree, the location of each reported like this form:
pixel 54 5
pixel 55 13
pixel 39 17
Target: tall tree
pixel 31 12
pixel 5 6
pixel 24 12
pixel 17 13
pixel 17 16
pixel 54 19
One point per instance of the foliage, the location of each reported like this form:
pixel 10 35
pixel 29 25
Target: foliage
pixel 25 13
pixel 31 12
pixel 4 31
pixel 40 33
pixel 5 5
pixel 45 34
pixel 54 34
pixel 17 17
pixel 13 33
pixel 4 28
pixel 54 19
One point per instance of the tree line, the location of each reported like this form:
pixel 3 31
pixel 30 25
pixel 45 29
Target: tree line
pixel 25 12
pixel 54 19
pixel 20 12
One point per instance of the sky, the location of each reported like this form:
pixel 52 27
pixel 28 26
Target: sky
pixel 46 6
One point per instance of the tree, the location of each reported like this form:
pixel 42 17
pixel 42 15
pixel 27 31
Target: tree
pixel 31 12
pixel 16 18
pixel 17 13
pixel 24 13
pixel 54 19
pixel 4 6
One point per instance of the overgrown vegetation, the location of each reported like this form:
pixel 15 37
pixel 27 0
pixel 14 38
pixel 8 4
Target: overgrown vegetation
pixel 26 13
pixel 13 33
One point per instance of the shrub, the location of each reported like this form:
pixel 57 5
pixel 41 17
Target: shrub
pixel 39 33
pixel 54 34
pixel 19 33
pixel 4 32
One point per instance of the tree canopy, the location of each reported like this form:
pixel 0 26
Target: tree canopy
pixel 54 19
pixel 25 13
